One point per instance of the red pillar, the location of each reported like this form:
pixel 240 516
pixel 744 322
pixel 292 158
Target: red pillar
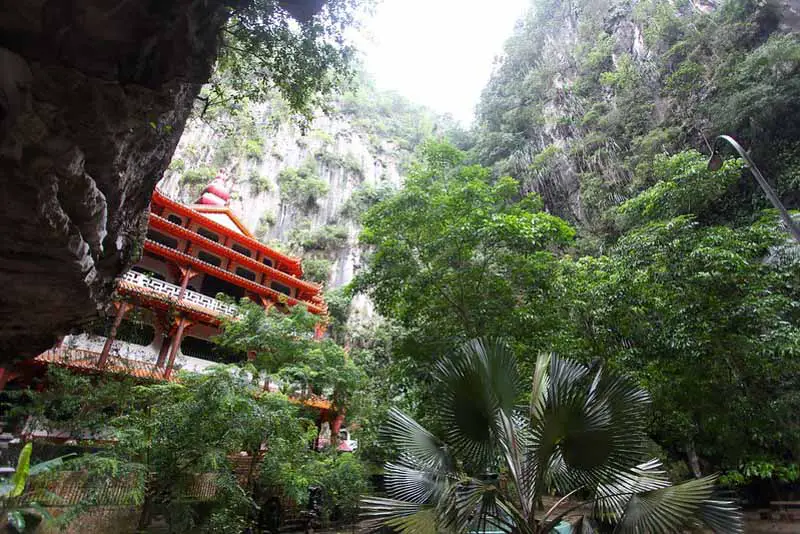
pixel 188 274
pixel 176 343
pixel 5 376
pixel 123 309
pixel 336 426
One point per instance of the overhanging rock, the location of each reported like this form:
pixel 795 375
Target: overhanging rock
pixel 93 98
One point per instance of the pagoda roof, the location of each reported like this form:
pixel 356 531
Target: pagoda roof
pixel 241 234
pixel 224 216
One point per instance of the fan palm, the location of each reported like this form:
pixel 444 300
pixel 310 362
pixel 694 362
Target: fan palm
pixel 581 435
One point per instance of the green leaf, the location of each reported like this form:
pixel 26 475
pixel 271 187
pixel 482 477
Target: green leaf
pixel 672 508
pixel 23 469
pixel 17 520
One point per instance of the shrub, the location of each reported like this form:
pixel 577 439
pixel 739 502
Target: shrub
pixel 302 187
pixel 265 222
pixel 317 269
pixel 254 149
pixel 177 165
pixel 198 176
pixel 259 183
pixel 325 238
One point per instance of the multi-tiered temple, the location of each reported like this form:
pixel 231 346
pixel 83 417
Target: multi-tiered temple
pixel 168 310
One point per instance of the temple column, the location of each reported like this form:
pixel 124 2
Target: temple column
pixel 175 346
pixel 123 309
pixel 5 376
pixel 186 275
pixel 319 331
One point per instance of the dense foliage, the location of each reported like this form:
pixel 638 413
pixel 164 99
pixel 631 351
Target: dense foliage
pixel 577 111
pixel 161 441
pixel 581 433
pixel 696 310
pixel 265 50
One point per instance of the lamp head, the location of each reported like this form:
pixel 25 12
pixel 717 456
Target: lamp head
pixel 715 162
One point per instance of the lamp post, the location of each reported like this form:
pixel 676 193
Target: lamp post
pixel 715 163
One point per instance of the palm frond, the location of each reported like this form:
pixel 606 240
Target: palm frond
pixel 721 516
pixel 672 508
pixel 540 384
pixel 479 382
pixel 412 485
pixel 590 430
pixel 406 517
pixel 612 497
pixel 414 440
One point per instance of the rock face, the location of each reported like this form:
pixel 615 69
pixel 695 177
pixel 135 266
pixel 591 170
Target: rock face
pixel 93 98
pixel 351 151
pixel 94 95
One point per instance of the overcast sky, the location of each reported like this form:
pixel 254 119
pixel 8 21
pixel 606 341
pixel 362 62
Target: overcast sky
pixel 438 52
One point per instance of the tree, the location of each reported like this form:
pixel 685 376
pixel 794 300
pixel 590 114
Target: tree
pixel 160 438
pixel 581 433
pixel 699 314
pixel 285 347
pixel 457 254
pixel 265 50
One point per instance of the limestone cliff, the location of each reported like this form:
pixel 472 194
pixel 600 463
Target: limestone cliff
pixel 305 189
pixel 589 91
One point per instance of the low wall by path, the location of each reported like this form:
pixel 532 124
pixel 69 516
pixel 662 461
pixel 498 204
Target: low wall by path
pixel 97 520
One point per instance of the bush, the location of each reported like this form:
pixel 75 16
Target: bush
pixel 348 162
pixel 226 151
pixel 254 149
pixel 265 222
pixel 363 198
pixel 302 187
pixel 177 165
pixel 259 183
pixel 198 176
pixel 330 237
pixel 317 270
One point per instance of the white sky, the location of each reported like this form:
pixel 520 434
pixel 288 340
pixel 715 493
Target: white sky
pixel 438 52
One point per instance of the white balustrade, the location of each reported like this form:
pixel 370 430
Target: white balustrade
pixel 173 292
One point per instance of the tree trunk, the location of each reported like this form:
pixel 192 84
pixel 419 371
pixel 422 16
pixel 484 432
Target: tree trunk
pixel 147 512
pixel 694 461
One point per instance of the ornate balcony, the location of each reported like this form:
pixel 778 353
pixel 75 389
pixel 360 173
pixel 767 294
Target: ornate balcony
pixel 172 293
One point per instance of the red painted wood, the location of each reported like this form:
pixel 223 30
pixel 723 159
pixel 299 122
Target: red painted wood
pixel 293 264
pixel 229 254
pixel 180 257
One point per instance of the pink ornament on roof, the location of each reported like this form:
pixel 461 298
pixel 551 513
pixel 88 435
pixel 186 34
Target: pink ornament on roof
pixel 216 193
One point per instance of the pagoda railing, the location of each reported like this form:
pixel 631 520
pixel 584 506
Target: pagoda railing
pixel 174 293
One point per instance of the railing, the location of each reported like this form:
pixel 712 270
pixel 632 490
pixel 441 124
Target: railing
pixel 174 292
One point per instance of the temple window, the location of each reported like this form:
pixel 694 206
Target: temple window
pixel 174 219
pixel 165 240
pixel 209 258
pixel 208 234
pixel 267 262
pixel 241 250
pixel 245 273
pixel 280 288
pixel 212 285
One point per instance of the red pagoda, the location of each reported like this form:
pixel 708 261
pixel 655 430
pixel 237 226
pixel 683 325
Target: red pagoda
pixel 190 255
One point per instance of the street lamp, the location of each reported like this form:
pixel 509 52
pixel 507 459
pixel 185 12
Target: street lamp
pixel 715 163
